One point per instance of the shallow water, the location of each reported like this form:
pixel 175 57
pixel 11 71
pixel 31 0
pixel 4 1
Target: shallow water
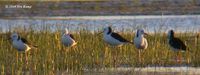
pixel 184 70
pixel 151 23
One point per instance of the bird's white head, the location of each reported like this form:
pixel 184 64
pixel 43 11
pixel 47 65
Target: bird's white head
pixel 14 36
pixel 107 30
pixel 170 34
pixel 140 32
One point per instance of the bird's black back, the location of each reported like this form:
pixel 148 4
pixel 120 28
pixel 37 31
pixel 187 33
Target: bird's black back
pixel 25 41
pixel 118 37
pixel 177 44
pixel 72 36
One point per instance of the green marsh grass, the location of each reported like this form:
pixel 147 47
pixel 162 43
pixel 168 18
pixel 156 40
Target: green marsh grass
pixel 91 52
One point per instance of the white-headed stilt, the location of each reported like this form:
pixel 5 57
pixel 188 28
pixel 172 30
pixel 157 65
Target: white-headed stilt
pixel 67 39
pixel 140 42
pixel 114 40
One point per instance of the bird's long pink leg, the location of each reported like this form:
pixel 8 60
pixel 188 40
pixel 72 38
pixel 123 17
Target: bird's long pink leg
pixel 139 56
pixel 17 57
pixel 115 57
pixel 26 61
pixel 26 58
pixel 179 57
pixel 188 57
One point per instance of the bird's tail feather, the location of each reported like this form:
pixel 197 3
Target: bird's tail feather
pixel 34 46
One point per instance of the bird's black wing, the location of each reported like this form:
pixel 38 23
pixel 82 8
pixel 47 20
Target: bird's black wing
pixel 25 41
pixel 177 44
pixel 118 37
pixel 72 36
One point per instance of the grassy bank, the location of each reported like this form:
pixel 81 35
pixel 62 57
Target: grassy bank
pixel 52 57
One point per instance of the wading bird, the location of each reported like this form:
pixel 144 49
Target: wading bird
pixel 114 40
pixel 140 42
pixel 21 44
pixel 176 45
pixel 68 39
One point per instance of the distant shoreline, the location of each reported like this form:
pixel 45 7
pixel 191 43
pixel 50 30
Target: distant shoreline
pixel 101 17
pixel 97 8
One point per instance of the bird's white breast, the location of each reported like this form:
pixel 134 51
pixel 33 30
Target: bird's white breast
pixel 140 42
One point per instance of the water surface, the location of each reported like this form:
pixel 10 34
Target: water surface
pixel 181 23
